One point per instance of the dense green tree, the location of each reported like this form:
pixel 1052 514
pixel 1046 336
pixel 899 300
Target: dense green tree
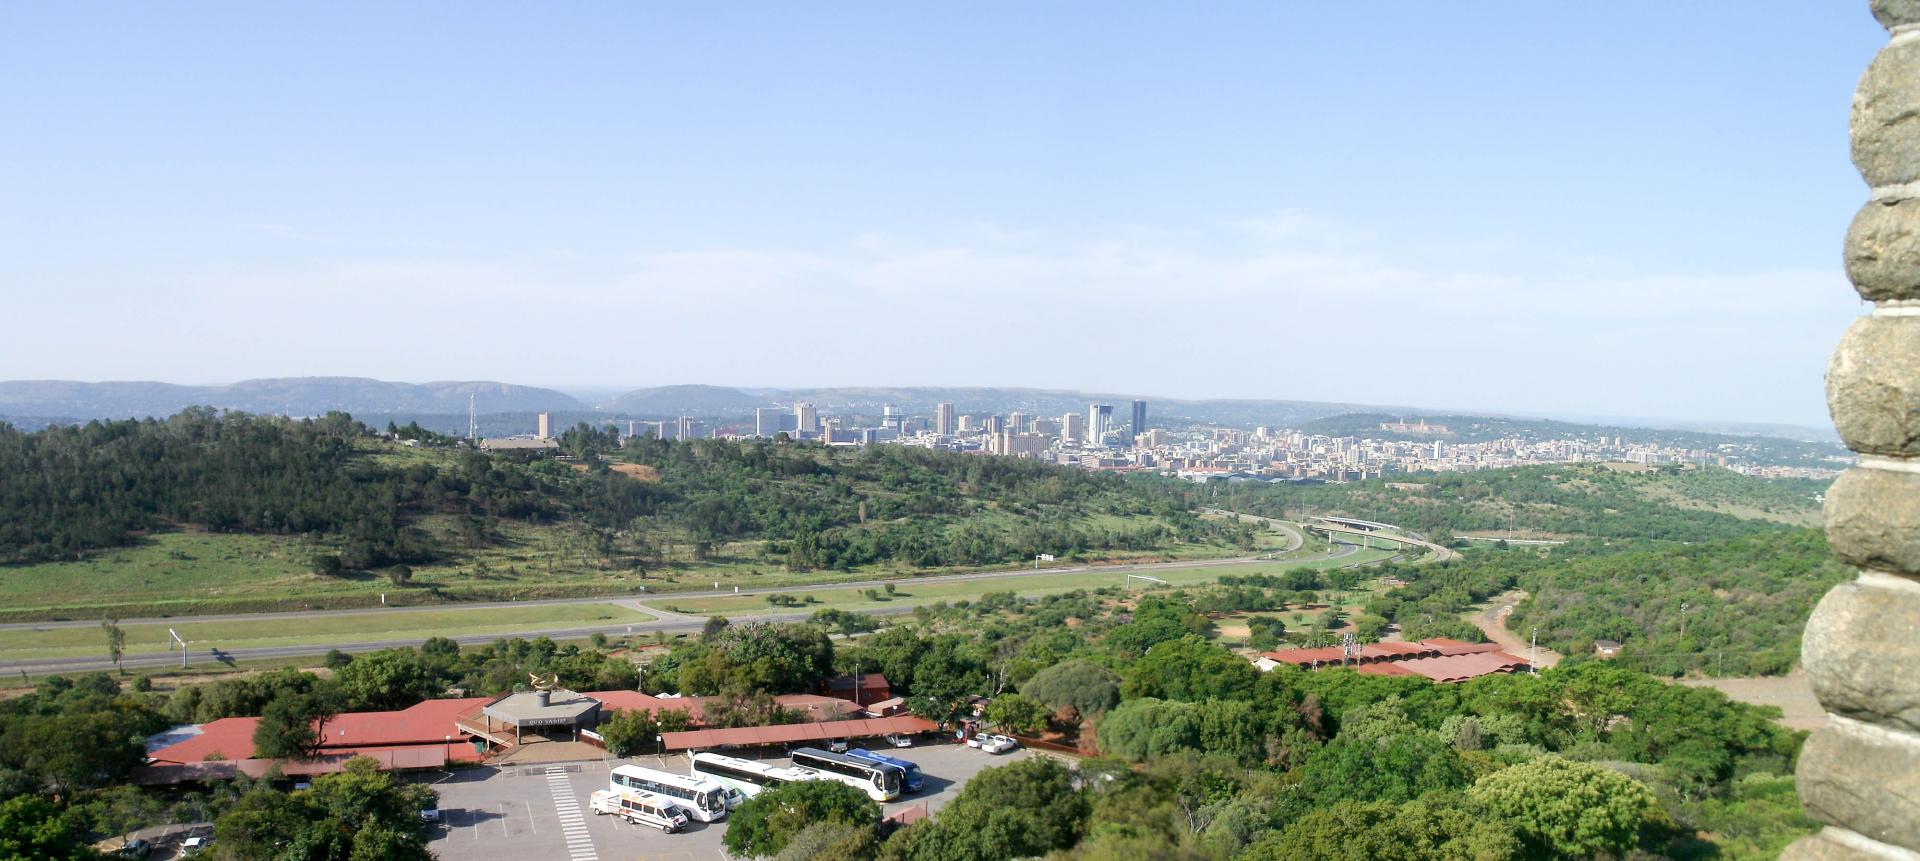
pixel 1392 767
pixel 767 822
pixel 293 727
pixel 1567 809
pixel 1189 669
pixel 383 681
pixel 1436 830
pixel 1083 688
pixel 33 829
pixel 1020 810
pixel 1017 714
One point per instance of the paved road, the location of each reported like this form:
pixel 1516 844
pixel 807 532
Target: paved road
pixel 1295 537
pixel 671 623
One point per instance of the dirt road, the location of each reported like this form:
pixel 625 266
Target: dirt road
pixel 1493 622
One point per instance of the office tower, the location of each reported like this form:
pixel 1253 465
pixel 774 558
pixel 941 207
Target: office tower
pixel 546 426
pixel 805 418
pixel 1017 422
pixel 994 425
pixel 1046 427
pixel 684 428
pixel 1099 421
pixel 1139 421
pixel 767 421
pixel 1073 428
pixel 944 420
pixel 891 418
pixel 966 424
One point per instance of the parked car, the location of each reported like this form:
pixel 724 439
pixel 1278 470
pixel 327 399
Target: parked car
pixel 898 740
pixel 136 848
pixel 838 745
pixel 194 846
pixel 430 814
pixel 996 743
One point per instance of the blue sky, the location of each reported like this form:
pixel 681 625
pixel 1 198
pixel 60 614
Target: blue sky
pixel 1612 209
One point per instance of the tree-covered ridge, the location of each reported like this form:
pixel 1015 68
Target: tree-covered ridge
pixel 68 490
pixel 1574 500
pixel 1732 607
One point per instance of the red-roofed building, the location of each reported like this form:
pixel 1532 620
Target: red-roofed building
pixel 1456 660
pixel 1459 668
pixel 862 689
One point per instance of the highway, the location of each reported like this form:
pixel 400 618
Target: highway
pixel 666 622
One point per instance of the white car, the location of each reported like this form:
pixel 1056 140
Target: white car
pixel 995 743
pixel 898 740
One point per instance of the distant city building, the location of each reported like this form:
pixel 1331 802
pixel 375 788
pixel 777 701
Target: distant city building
pixel 806 419
pixel 1099 421
pixel 684 428
pixel 993 424
pixel 1139 425
pixel 1017 422
pixel 1073 428
pixel 546 426
pixel 769 421
pixel 1046 427
pixel 944 420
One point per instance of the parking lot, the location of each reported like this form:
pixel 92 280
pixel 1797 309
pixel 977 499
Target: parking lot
pixel 540 811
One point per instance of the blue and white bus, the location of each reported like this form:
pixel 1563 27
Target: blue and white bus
pixel 910 780
pixel 880 781
pixel 705 800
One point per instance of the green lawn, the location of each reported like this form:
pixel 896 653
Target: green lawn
pixel 395 624
pixel 911 593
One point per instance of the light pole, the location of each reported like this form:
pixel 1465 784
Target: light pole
pixel 449 748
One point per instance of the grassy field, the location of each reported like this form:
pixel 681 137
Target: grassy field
pixel 195 573
pixel 151 638
pixel 910 593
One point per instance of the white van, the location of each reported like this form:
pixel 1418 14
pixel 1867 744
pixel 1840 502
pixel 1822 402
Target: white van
pixel 640 808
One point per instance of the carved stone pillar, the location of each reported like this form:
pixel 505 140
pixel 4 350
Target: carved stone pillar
pixel 1861 774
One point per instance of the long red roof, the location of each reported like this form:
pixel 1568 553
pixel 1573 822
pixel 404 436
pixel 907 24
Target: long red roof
pixel 756 736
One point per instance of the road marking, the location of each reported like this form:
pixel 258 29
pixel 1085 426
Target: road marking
pixel 530 826
pixel 573 826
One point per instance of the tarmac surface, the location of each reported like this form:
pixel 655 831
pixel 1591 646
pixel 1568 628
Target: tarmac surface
pixel 541 811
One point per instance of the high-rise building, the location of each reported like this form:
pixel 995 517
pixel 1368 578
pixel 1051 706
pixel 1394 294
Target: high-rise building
pixel 683 430
pixel 1073 428
pixel 1139 425
pixel 1017 422
pixel 1099 421
pixel 993 424
pixel 967 424
pixel 944 420
pixel 767 421
pixel 546 426
pixel 805 418
pixel 1046 427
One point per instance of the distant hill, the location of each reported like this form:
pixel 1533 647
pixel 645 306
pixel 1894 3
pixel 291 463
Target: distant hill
pixel 688 400
pixel 295 396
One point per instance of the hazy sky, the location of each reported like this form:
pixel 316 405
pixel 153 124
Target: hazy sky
pixel 1628 208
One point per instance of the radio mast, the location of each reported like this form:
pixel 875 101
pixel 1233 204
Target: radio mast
pixel 473 421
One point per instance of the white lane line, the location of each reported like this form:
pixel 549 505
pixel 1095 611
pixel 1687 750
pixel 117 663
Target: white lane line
pixel 572 824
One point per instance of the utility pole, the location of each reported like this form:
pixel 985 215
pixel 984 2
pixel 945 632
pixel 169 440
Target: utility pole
pixel 1533 652
pixel 183 647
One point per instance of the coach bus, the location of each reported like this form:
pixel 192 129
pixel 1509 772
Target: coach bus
pixel 880 781
pixel 744 777
pixel 910 771
pixel 705 800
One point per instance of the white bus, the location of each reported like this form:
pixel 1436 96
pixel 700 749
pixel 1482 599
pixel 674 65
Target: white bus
pixel 705 800
pixel 879 780
pixel 745 776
